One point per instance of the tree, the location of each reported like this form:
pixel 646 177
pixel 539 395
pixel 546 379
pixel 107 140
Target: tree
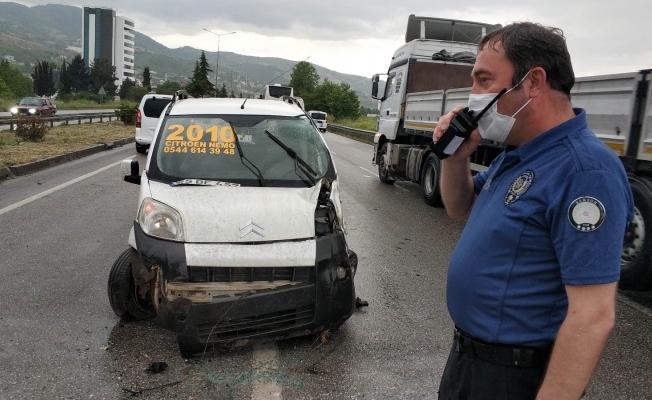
pixel 147 79
pixel 103 75
pixel 232 94
pixel 168 87
pixel 5 92
pixel 223 93
pixel 78 75
pixel 124 88
pixel 64 80
pixel 42 78
pixel 18 84
pixel 200 85
pixel 304 78
pixel 136 93
pixel 339 100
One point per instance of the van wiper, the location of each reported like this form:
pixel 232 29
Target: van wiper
pixel 298 161
pixel 202 182
pixel 261 181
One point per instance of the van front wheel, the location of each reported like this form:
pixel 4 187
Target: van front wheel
pixel 123 292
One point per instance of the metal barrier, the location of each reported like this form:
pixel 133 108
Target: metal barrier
pixel 63 118
pixel 352 130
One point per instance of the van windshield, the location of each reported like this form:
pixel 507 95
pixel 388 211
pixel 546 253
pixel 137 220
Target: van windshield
pixel 203 147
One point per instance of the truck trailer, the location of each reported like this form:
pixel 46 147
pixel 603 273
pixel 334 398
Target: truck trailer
pixel 431 74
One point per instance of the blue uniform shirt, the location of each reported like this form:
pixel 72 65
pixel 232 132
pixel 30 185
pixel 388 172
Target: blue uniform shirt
pixel 551 213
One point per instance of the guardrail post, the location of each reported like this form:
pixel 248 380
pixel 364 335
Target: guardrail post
pixel 11 125
pixel 78 120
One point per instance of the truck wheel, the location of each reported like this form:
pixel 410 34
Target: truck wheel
pixel 141 148
pixel 635 264
pixel 383 174
pixel 430 181
pixel 123 293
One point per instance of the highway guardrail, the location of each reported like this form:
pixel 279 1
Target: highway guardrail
pixel 101 116
pixel 360 134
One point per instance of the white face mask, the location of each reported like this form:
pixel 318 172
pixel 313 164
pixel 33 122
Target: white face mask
pixel 493 125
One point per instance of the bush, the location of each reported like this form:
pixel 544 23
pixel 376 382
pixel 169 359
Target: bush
pixel 136 93
pixel 127 113
pixel 31 129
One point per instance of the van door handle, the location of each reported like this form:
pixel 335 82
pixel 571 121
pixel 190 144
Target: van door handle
pixel 387 112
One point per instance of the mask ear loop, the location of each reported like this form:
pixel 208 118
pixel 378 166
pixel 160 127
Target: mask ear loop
pixel 517 85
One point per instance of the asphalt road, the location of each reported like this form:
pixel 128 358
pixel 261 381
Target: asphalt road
pixel 60 339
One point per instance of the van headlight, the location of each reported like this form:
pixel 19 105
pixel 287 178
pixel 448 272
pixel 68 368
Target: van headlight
pixel 160 220
pixel 14 110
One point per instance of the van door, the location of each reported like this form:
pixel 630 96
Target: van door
pixel 390 109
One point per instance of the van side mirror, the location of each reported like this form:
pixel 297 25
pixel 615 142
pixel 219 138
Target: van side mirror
pixel 129 169
pixel 374 87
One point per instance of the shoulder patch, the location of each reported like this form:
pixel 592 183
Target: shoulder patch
pixel 586 214
pixel 519 187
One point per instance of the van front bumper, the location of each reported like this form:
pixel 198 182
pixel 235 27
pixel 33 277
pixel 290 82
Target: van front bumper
pixel 316 303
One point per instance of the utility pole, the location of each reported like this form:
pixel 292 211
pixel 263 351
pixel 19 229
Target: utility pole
pixel 217 64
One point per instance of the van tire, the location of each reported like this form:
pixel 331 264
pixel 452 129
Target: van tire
pixel 123 293
pixel 141 148
pixel 636 264
pixel 383 174
pixel 430 171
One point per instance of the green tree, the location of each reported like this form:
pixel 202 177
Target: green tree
pixel 5 92
pixel 168 87
pixel 103 75
pixel 232 94
pixel 42 79
pixel 124 88
pixel 338 100
pixel 304 78
pixel 18 84
pixel 223 93
pixel 136 93
pixel 200 85
pixel 147 79
pixel 64 79
pixel 78 75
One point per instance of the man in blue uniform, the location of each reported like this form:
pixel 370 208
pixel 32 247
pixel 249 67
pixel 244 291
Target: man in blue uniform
pixel 533 279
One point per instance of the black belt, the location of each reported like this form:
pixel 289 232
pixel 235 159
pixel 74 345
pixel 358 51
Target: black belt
pixel 502 355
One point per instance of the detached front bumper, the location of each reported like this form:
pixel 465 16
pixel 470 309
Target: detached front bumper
pixel 210 307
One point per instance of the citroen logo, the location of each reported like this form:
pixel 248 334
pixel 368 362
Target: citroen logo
pixel 251 226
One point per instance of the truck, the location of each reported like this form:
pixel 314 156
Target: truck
pixel 431 74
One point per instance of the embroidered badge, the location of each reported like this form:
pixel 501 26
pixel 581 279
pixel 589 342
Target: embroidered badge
pixel 586 214
pixel 519 187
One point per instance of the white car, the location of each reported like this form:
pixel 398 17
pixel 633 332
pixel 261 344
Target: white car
pixel 150 109
pixel 239 232
pixel 320 118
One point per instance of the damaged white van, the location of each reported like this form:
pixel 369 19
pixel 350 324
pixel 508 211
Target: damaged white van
pixel 239 232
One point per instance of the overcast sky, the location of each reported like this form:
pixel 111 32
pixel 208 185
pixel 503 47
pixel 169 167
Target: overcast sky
pixel 360 36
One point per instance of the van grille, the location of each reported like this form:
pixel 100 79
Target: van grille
pixel 244 274
pixel 257 325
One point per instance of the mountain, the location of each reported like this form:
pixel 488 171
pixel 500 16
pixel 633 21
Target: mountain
pixel 45 33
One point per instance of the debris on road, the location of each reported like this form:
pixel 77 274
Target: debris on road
pixel 157 367
pixel 360 303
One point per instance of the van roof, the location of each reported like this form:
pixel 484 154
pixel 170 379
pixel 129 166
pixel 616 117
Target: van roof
pixel 232 107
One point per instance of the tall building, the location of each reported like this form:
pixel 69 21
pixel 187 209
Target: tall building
pixel 105 35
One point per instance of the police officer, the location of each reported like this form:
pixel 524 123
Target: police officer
pixel 532 282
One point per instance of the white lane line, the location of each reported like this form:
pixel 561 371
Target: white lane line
pixel 363 168
pixel 265 368
pixel 56 188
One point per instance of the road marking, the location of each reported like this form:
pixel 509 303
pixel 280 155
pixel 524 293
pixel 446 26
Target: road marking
pixel 265 368
pixel 368 171
pixel 634 305
pixel 56 188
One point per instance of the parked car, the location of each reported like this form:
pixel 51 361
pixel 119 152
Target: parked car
pixel 320 118
pixel 150 109
pixel 239 232
pixel 34 106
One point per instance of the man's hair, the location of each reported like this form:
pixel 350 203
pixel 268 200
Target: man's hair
pixel 528 45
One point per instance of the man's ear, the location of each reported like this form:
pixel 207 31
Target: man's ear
pixel 538 81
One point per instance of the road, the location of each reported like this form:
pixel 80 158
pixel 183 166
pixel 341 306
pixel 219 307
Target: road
pixel 63 228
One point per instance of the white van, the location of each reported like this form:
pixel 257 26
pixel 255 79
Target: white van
pixel 150 109
pixel 239 232
pixel 320 118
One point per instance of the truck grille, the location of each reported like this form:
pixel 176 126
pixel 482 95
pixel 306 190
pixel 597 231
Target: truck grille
pixel 251 326
pixel 244 274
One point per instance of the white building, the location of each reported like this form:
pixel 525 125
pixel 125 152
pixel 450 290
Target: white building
pixel 105 35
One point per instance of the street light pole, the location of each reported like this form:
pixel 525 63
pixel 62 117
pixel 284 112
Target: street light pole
pixel 217 64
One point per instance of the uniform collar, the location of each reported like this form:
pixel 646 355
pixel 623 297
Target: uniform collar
pixel 559 132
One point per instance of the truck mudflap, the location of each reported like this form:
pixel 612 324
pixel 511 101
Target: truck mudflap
pixel 324 302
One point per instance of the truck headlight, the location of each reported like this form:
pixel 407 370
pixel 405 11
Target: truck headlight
pixel 32 110
pixel 160 220
pixel 14 110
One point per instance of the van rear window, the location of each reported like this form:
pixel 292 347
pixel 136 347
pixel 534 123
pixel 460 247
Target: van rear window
pixel 318 116
pixel 154 107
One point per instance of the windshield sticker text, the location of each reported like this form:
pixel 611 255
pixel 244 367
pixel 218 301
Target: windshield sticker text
pixel 194 140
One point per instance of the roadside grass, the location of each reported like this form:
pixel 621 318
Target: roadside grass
pixel 59 140
pixel 365 123
pixel 6 104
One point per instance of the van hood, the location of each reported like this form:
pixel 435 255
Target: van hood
pixel 219 214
